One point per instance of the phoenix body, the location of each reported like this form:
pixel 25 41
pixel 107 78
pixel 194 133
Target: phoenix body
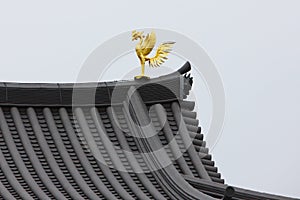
pixel 144 48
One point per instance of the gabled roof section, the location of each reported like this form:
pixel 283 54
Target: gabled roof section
pixel 139 140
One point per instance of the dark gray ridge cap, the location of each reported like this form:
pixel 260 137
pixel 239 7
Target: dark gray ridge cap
pixel 170 87
pixel 218 190
pixel 171 180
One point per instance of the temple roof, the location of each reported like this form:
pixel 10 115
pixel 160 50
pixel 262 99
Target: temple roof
pixel 107 140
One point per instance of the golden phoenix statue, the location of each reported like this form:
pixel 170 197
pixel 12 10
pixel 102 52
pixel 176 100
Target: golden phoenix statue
pixel 145 46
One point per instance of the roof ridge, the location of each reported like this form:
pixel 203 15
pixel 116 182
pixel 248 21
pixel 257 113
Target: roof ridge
pixel 163 88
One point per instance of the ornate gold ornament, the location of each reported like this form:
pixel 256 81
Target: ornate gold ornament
pixel 145 46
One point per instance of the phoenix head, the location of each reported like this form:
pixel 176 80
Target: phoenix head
pixel 137 35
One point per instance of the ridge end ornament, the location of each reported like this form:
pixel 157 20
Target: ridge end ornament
pixel 145 46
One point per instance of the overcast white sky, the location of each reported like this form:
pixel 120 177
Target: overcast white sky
pixel 255 45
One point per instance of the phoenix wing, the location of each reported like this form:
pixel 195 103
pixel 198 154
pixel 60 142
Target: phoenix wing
pixel 161 54
pixel 148 43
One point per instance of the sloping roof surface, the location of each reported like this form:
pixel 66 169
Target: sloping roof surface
pixel 147 145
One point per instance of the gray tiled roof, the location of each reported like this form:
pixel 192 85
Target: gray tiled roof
pixel 147 145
